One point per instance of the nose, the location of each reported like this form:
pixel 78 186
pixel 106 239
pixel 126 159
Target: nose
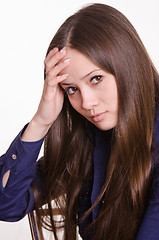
pixel 89 99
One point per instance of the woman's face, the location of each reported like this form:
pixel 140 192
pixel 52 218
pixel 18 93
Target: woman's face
pixel 91 91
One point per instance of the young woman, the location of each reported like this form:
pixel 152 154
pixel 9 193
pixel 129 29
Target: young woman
pixel 100 119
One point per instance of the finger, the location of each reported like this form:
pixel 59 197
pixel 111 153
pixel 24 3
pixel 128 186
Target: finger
pixel 58 69
pixel 54 82
pixel 54 59
pixel 50 54
pixel 61 78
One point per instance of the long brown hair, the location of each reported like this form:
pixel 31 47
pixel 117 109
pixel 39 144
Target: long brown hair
pixel 104 35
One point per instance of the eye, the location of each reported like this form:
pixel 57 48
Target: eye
pixel 71 90
pixel 96 79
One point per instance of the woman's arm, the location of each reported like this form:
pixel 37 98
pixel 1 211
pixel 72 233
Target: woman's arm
pixel 52 97
pixel 16 197
pixel 17 166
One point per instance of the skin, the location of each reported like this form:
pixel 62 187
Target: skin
pixel 52 97
pixel 87 85
pixel 91 91
pixel 51 101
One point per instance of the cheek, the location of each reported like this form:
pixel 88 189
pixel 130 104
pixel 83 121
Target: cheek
pixel 75 104
pixel 111 94
pixel 115 97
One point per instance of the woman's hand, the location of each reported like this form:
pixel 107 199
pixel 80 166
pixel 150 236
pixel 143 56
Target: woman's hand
pixel 52 97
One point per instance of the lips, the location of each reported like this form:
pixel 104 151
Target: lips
pixel 98 117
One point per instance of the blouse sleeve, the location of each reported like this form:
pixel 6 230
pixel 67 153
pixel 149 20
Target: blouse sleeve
pixel 16 198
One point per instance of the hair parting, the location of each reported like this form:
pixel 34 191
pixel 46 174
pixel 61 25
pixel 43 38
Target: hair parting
pixel 106 37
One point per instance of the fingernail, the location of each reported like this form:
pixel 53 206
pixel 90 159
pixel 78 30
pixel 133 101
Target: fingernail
pixel 67 60
pixel 64 76
pixel 63 49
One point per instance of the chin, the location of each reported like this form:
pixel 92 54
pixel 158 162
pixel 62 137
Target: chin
pixel 105 127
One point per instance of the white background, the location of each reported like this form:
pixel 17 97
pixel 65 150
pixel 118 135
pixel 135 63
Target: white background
pixel 26 28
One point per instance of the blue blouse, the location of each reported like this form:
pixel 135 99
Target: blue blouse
pixel 17 199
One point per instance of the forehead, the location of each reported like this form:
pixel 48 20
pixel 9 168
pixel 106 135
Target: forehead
pixel 79 63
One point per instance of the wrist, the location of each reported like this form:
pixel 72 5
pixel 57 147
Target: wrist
pixel 38 123
pixel 35 131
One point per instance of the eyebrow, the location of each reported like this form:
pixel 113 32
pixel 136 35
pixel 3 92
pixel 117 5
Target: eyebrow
pixel 66 84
